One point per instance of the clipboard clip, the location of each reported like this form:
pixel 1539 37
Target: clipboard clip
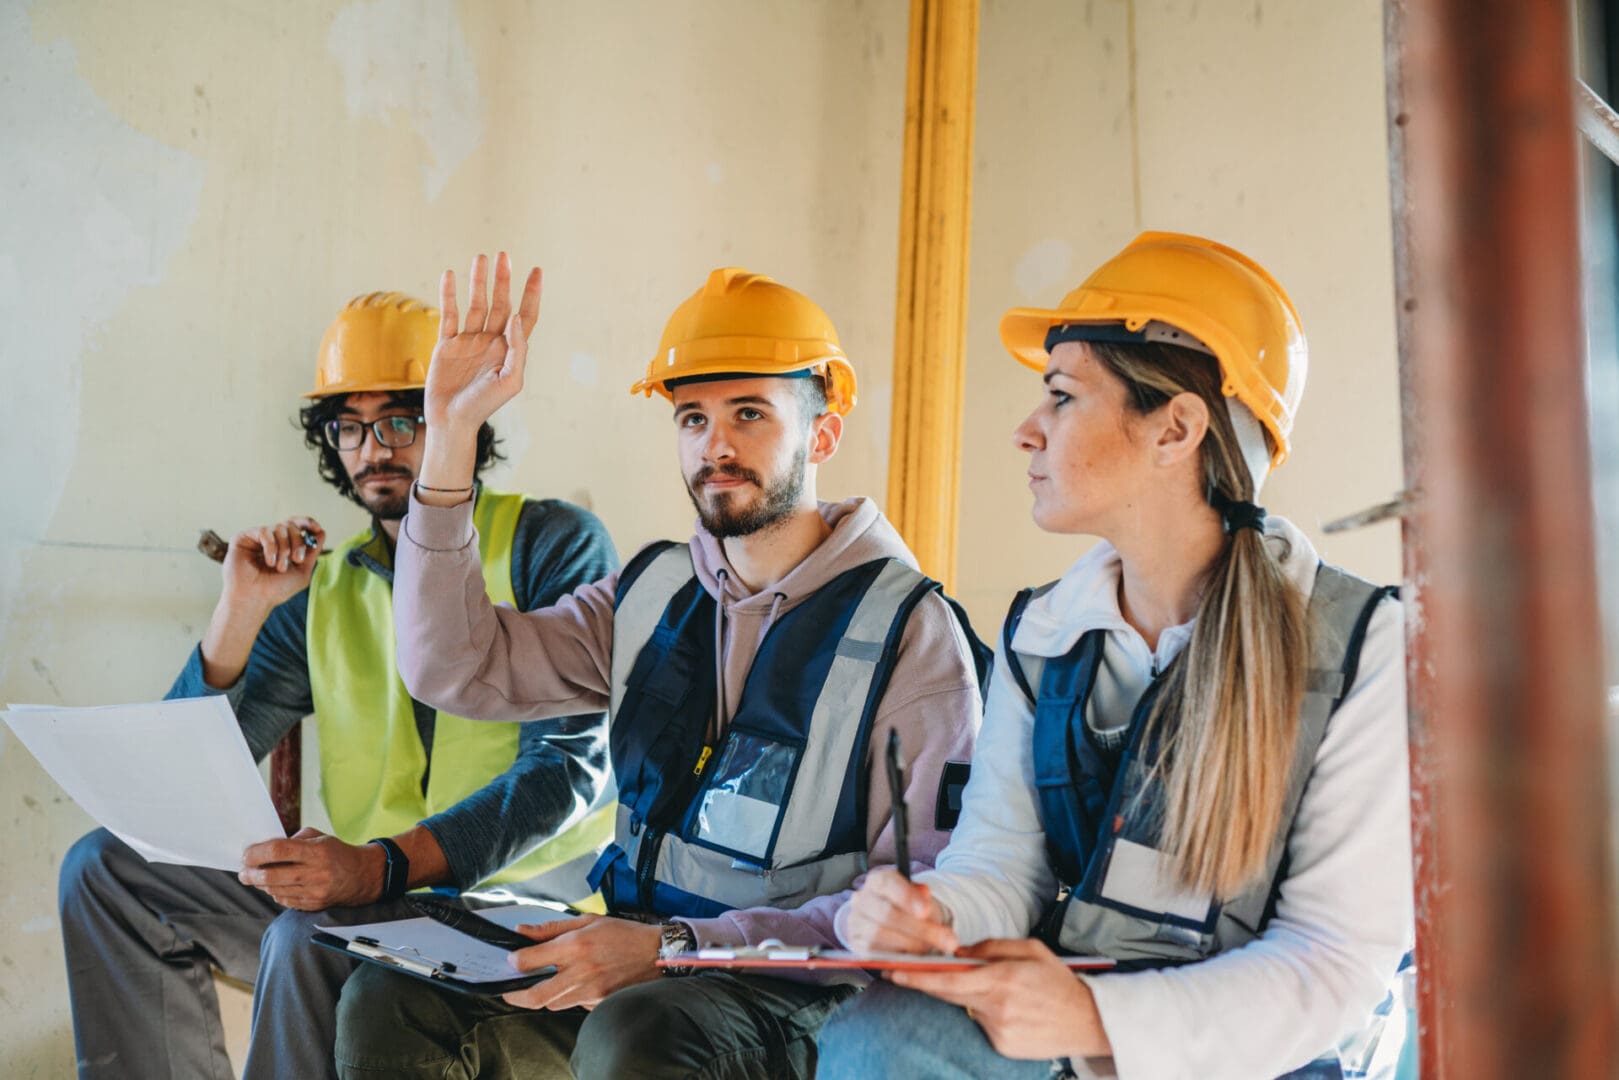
pixel 396 955
pixel 768 949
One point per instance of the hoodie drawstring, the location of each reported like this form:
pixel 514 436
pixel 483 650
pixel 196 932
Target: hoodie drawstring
pixel 719 657
pixel 720 711
pixel 770 620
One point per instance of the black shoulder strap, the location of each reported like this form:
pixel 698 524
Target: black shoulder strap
pixel 1357 639
pixel 1014 616
pixel 638 564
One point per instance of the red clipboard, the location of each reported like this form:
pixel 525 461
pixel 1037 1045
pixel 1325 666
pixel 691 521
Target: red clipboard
pixel 815 958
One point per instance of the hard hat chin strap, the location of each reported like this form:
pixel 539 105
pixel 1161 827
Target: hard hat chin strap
pixel 1250 441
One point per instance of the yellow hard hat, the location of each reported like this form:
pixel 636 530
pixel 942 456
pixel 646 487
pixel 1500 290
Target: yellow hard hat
pixel 1166 284
pixel 743 324
pixel 380 341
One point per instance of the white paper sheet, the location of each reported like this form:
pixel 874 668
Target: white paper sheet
pixel 173 779
pixel 430 943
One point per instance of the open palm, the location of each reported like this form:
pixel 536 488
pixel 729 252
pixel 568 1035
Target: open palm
pixel 478 367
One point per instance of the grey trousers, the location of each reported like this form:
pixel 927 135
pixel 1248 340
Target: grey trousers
pixel 140 939
pixel 715 1026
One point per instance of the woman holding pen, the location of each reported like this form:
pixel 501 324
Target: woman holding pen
pixel 1193 758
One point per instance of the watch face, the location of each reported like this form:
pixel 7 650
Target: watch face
pixel 675 939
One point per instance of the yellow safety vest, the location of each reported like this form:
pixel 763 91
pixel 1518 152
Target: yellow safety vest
pixel 371 756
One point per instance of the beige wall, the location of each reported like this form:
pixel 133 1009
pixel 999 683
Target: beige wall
pixel 191 191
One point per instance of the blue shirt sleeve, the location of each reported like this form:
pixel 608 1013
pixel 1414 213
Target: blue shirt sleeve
pixel 561 765
pixel 272 695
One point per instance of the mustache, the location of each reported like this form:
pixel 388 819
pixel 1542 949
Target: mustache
pixel 382 470
pixel 736 472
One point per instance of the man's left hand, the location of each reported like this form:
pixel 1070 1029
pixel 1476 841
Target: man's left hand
pixel 1026 1000
pixel 594 955
pixel 311 871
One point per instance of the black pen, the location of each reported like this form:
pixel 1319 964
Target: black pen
pixel 468 922
pixel 896 795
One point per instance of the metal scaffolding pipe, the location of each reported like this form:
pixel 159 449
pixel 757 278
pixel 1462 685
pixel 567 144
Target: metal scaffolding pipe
pixel 1598 122
pixel 1514 897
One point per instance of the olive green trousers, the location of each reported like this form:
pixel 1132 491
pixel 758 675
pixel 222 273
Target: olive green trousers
pixel 714 1024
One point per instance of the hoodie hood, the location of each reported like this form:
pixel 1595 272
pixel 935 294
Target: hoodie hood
pixel 860 534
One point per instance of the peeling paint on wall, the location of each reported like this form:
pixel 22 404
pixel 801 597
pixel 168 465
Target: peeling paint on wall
pixel 411 56
pixel 94 210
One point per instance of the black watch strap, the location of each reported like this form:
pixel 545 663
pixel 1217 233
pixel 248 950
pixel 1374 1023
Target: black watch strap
pixel 396 871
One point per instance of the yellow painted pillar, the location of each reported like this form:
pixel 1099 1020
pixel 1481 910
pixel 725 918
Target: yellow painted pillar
pixel 924 462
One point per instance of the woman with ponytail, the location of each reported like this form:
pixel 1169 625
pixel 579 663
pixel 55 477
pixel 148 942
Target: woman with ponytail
pixel 1193 759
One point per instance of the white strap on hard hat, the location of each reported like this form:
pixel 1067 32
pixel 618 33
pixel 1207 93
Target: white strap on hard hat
pixel 1250 435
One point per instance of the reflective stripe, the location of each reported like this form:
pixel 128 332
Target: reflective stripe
pixel 643 605
pixel 712 875
pixel 807 823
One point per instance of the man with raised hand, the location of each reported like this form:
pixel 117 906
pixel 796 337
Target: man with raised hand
pixel 750 674
pixel 416 797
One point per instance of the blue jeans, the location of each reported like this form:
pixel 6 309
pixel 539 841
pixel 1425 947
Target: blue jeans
pixel 904 1034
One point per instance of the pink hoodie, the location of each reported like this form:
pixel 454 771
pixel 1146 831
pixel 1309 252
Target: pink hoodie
pixel 459 653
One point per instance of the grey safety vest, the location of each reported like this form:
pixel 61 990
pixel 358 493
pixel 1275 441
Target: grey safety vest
pixel 1118 899
pixel 775 813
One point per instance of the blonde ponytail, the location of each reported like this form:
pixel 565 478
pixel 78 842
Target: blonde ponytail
pixel 1226 722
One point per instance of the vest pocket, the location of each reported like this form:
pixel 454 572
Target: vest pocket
pixel 740 807
pixel 1140 878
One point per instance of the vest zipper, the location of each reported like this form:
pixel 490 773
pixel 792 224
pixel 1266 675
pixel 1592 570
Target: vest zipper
pixel 647 858
pixel 650 843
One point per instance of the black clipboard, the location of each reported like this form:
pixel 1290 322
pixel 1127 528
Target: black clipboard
pixel 412 963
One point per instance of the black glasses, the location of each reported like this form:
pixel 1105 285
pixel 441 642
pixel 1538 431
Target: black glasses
pixel 390 431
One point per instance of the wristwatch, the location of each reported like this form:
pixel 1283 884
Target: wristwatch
pixel 676 938
pixel 396 871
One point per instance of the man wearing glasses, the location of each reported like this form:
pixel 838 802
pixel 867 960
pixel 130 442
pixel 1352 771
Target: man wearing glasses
pixel 416 797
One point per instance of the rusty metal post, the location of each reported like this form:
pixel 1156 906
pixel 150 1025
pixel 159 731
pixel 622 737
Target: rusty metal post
pixel 286 778
pixel 1517 964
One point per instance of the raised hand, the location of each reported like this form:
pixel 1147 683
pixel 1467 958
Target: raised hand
pixel 478 366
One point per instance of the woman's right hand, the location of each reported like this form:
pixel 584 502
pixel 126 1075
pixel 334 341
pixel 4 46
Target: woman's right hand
pixel 890 914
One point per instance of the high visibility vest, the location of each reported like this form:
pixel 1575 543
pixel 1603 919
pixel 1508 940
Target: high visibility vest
pixel 775 813
pixel 371 756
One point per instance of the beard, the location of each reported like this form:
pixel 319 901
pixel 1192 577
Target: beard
pixel 384 506
pixel 721 515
